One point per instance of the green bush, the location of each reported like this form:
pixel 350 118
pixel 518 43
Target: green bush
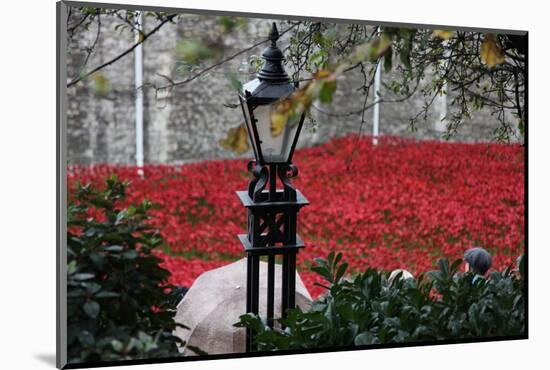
pixel 119 305
pixel 369 309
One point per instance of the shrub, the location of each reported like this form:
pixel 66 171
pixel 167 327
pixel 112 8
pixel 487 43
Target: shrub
pixel 368 309
pixel 119 305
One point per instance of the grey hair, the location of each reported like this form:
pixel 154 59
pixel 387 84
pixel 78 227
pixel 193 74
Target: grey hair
pixel 479 260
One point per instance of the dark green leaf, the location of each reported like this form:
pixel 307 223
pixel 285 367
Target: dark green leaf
pixel 130 254
pixel 341 271
pixel 91 308
pixel 104 294
pixel 86 338
pixel 388 60
pixel 197 350
pixel 83 276
pixel 113 248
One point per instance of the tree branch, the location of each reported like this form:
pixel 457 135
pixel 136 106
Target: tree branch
pixel 126 52
pixel 215 65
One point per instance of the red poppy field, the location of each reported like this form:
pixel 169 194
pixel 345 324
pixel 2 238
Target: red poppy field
pixel 400 204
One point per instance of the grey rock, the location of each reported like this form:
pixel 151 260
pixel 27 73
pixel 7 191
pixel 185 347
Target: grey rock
pixel 216 300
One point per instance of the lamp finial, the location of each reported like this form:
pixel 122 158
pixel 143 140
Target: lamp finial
pixel 274 35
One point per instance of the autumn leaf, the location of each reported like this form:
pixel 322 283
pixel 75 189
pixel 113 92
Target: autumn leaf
pixel 236 140
pixel 490 53
pixel 278 122
pixel 379 47
pixel 323 73
pixel 371 51
pixel 443 34
pixel 322 87
pixel 141 37
pixel 101 83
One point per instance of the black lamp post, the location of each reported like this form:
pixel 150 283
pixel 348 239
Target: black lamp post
pixel 272 212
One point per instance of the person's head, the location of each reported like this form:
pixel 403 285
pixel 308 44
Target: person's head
pixel 478 260
pixel 404 275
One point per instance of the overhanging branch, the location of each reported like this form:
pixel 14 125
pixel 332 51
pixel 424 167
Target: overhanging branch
pixel 126 52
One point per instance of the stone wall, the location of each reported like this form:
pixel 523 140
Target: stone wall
pixel 186 123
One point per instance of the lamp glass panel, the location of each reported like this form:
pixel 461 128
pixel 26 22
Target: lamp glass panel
pixel 249 127
pixel 275 149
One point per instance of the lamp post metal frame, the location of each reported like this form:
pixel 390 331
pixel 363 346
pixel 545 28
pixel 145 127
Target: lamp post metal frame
pixel 272 210
pixel 272 221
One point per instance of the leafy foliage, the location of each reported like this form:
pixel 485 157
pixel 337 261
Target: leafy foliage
pixel 101 83
pixel 369 309
pixel 119 306
pixel 482 70
pixel 193 51
pixel 236 140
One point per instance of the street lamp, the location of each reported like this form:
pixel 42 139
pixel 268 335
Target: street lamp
pixel 259 99
pixel 272 212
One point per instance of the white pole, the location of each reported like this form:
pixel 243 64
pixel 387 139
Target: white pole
pixel 138 69
pixel 441 124
pixel 376 111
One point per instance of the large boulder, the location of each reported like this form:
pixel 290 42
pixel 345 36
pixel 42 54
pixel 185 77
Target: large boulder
pixel 216 300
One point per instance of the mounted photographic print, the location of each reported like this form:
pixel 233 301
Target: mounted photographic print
pixel 236 185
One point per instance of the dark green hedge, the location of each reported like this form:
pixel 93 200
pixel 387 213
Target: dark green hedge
pixel 118 305
pixel 368 309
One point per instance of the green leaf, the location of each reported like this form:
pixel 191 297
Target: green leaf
pixel 193 51
pixel 454 267
pixel 323 271
pixel 120 216
pixel 250 321
pixel 93 288
pixel 443 264
pixel 363 339
pixel 91 308
pixel 113 248
pixel 130 254
pixel 341 271
pixel 330 258
pixel 120 26
pixel 388 60
pixel 338 258
pixel 144 337
pixel 83 276
pixel 320 262
pixel 405 54
pixel 117 345
pixel 86 338
pixel 105 294
pixel 326 91
pixel 71 267
pixel 234 82
pixel 98 259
